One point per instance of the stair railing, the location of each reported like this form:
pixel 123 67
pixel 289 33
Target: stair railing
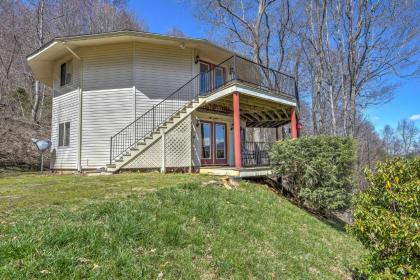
pixel 235 68
pixel 200 85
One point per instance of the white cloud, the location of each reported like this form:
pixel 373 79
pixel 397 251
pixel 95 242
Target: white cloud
pixel 415 117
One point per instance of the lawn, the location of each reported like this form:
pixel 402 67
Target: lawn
pixel 152 226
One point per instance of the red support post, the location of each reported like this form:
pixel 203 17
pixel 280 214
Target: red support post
pixel 237 129
pixel 294 124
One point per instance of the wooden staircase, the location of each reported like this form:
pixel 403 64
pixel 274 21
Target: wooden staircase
pixel 154 136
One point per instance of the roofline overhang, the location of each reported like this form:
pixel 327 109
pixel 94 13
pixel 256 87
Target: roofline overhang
pixel 133 33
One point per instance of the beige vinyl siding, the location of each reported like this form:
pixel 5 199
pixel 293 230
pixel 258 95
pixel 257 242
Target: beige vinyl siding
pixel 105 112
pixel 109 74
pixel 107 67
pixel 158 72
pixel 65 109
pixel 116 80
pixel 108 99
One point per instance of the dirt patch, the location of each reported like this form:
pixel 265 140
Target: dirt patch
pixel 17 151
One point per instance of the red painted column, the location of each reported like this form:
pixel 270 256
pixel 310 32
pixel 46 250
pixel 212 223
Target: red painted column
pixel 237 129
pixel 294 124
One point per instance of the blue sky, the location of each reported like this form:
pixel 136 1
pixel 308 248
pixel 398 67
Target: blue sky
pixel 161 15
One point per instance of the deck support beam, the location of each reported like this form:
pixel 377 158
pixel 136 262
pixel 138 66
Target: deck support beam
pixel 294 124
pixel 237 129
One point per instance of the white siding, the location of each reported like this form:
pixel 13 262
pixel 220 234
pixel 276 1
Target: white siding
pixel 74 85
pixel 104 114
pixel 107 67
pixel 65 109
pixel 116 80
pixel 107 101
pixel 158 72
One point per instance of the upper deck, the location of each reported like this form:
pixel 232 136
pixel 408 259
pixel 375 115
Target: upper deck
pixel 248 77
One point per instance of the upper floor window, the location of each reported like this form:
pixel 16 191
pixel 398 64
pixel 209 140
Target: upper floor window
pixel 64 134
pixel 66 70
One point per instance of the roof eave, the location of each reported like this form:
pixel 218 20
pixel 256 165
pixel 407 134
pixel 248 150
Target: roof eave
pixel 122 33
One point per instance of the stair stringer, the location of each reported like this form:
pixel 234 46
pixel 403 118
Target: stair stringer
pixel 152 143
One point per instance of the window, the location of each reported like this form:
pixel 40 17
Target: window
pixel 64 134
pixel 66 73
pixel 218 77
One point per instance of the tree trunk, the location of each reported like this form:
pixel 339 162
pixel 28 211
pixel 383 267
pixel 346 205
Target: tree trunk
pixel 40 33
pixel 332 108
pixel 36 103
pixel 352 116
pixel 316 106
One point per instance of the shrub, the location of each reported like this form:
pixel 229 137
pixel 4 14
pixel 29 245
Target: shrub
pixel 387 220
pixel 318 169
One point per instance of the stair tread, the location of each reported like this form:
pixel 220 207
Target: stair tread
pixel 169 122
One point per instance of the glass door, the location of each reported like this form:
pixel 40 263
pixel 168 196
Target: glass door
pixel 213 143
pixel 204 78
pixel 206 143
pixel 220 143
pixel 219 77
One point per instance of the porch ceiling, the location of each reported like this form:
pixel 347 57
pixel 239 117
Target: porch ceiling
pixel 255 111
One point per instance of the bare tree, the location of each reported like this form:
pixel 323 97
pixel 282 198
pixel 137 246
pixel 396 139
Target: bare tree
pixel 175 31
pixel 370 149
pixel 391 141
pixel 40 41
pixel 409 135
pixel 379 40
pixel 27 25
pixel 243 24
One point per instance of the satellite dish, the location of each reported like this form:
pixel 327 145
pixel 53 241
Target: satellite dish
pixel 42 145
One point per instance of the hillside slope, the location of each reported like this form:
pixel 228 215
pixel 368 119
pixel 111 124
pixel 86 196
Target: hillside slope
pixel 170 226
pixel 16 147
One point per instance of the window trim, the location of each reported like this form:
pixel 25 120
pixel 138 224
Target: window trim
pixel 225 140
pixel 67 69
pixel 210 138
pixel 64 140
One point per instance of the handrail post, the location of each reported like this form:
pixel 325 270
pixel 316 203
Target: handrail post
pixel 234 68
pixel 153 117
pixel 110 153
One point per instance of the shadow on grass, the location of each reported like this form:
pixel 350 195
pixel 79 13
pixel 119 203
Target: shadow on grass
pixel 275 186
pixel 332 221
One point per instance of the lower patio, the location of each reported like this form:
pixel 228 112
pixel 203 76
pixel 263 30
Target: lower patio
pixel 228 137
pixel 243 172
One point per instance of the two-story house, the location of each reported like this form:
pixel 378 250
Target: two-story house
pixel 136 100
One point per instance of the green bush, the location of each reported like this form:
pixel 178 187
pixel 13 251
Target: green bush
pixel 318 170
pixel 387 220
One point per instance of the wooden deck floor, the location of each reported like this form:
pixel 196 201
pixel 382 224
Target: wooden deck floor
pixel 244 172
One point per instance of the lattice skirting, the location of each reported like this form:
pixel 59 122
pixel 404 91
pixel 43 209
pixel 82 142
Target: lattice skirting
pixel 176 149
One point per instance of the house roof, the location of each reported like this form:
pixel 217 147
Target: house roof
pixel 41 60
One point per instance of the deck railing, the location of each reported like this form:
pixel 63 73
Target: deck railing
pixel 256 153
pixel 233 69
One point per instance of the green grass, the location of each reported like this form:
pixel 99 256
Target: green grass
pixel 150 226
